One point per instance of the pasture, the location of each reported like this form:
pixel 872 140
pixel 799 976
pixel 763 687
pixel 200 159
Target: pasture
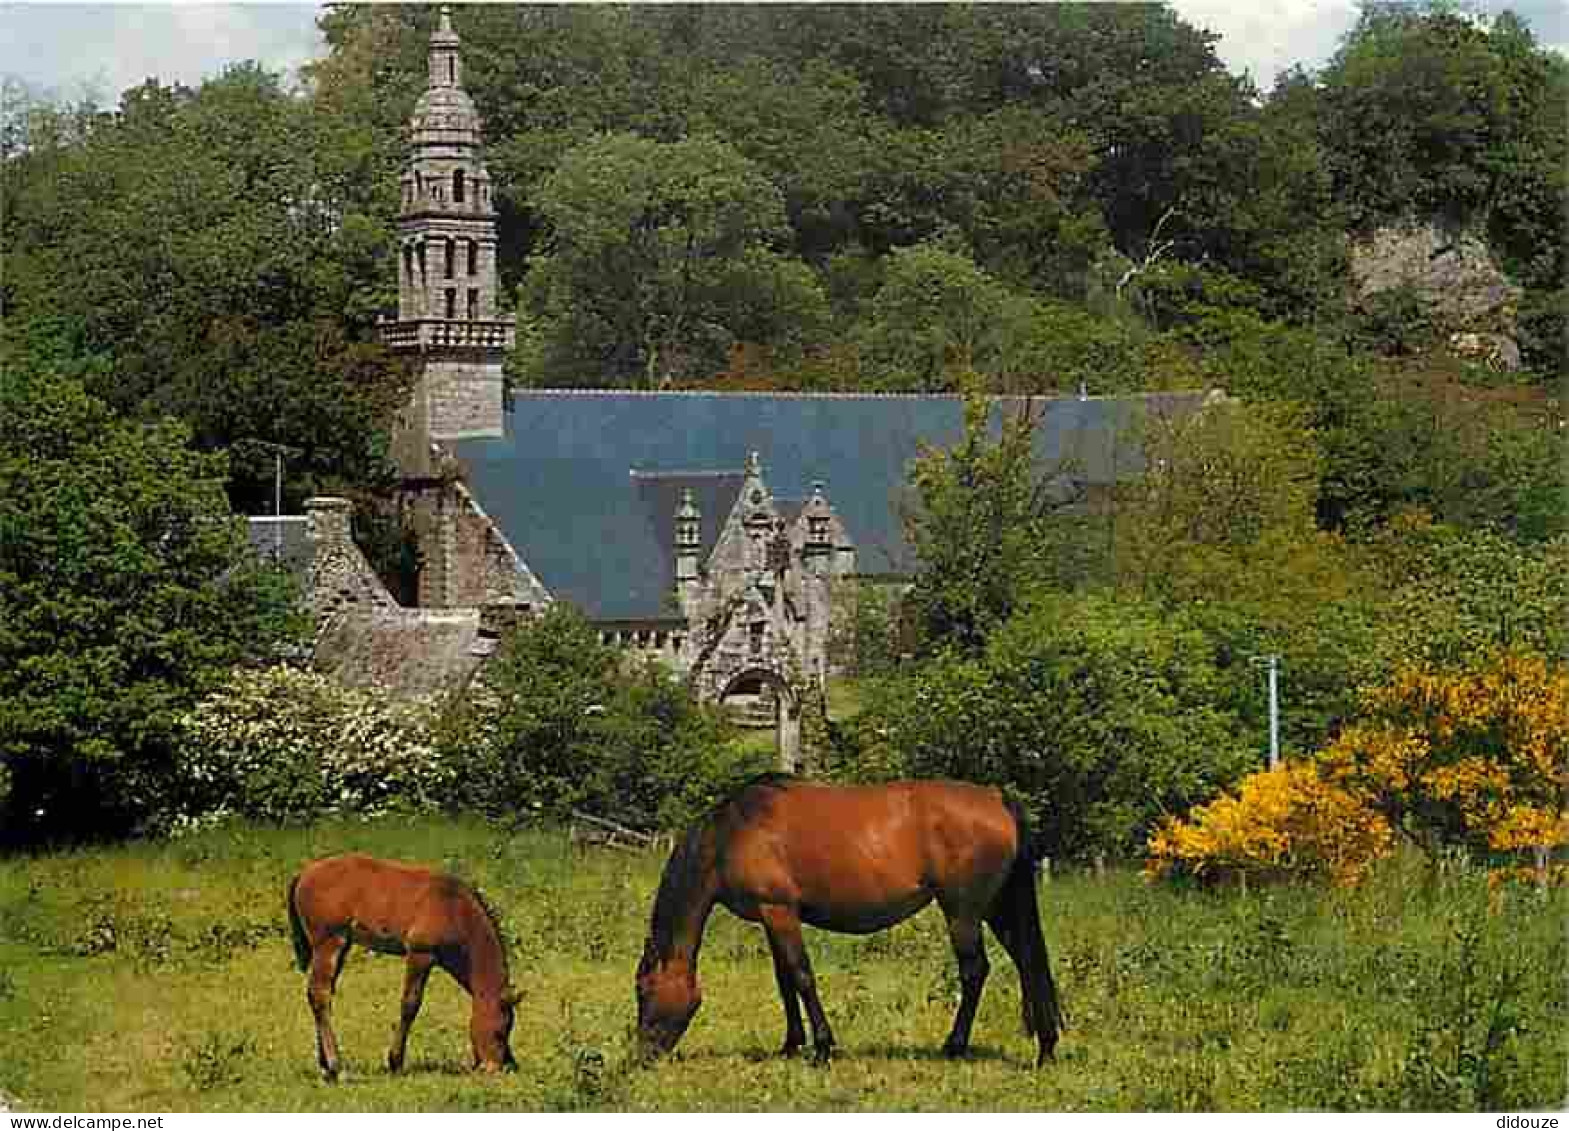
pixel 159 976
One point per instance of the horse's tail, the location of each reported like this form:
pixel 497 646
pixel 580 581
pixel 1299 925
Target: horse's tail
pixel 1016 920
pixel 302 942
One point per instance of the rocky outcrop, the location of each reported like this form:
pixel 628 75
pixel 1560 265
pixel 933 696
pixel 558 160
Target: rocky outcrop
pixel 1463 291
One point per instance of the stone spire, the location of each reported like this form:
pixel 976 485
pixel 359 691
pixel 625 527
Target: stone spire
pixel 445 122
pixel 818 517
pixel 758 515
pixel 446 65
pixel 447 257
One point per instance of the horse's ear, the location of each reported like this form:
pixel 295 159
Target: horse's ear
pixel 511 996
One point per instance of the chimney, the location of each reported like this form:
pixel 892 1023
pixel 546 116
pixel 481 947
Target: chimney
pixel 328 521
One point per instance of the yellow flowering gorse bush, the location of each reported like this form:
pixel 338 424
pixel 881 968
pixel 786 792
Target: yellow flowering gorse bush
pixel 1285 822
pixel 1478 758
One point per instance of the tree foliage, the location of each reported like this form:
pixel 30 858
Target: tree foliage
pixel 126 590
pixel 1471 758
pixel 659 262
pixel 1099 715
pixel 211 242
pixel 1285 823
pixel 560 723
pixel 281 744
pixel 937 318
pixel 978 519
pixel 1224 490
pixel 1476 757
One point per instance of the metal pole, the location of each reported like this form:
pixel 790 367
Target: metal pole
pixel 1274 710
pixel 277 505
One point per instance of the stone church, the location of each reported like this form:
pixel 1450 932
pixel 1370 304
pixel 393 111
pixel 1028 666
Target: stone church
pixel 710 531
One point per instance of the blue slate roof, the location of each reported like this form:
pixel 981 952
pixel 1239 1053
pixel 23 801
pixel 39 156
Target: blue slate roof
pixel 585 483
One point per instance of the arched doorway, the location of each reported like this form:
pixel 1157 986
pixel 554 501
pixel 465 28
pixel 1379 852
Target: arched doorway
pixel 759 682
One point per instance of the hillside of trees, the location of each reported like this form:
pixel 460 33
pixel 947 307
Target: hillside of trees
pixel 990 199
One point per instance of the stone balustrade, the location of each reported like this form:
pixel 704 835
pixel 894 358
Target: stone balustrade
pixel 439 333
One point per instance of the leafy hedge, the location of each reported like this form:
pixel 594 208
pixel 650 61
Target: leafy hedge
pixel 556 722
pixel 559 722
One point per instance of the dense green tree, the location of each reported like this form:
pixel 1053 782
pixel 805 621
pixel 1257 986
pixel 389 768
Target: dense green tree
pixel 195 238
pixel 126 590
pixel 1451 593
pixel 561 722
pixel 987 525
pixel 809 130
pixel 1099 714
pixel 937 318
pixel 661 258
pixel 1222 489
pixel 1424 110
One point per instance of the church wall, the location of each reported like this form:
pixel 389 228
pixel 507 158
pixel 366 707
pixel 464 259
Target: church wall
pixel 465 560
pixel 464 398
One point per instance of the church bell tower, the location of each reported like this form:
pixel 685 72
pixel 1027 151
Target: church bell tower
pixel 447 315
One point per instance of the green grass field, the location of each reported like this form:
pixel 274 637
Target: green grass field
pixel 159 976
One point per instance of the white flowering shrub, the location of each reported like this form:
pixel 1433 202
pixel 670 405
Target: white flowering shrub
pixel 283 744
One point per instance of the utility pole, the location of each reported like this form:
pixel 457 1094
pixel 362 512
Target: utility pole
pixel 1271 665
pixel 1274 710
pixel 278 452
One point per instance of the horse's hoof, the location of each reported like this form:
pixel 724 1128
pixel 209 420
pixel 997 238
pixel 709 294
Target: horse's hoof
pixel 954 1051
pixel 822 1055
pixel 394 1064
pixel 791 1049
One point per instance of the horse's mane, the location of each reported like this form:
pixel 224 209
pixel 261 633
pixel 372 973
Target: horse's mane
pixel 694 856
pixel 495 924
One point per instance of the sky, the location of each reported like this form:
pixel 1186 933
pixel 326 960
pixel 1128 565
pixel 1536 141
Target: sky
pixel 71 50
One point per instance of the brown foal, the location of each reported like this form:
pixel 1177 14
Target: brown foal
pixel 432 918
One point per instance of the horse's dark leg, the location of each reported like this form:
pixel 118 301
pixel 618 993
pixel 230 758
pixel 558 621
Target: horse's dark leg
pixel 415 974
pixel 326 962
pixel 969 947
pixel 795 1034
pixel 783 925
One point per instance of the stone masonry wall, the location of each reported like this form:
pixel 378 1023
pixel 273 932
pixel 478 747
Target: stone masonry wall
pixel 463 399
pixel 467 562
pixel 363 636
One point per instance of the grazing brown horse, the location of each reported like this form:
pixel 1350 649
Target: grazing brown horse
pixel 432 918
pixel 856 859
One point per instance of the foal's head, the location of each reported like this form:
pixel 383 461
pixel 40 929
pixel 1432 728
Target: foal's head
pixel 490 1030
pixel 667 999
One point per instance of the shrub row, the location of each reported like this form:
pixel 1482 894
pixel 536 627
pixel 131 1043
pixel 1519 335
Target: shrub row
pixel 557 722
